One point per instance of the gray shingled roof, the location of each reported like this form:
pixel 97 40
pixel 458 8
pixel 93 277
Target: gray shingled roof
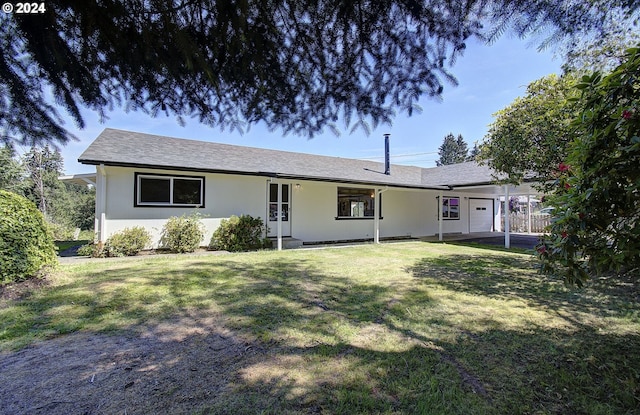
pixel 126 148
pixel 461 174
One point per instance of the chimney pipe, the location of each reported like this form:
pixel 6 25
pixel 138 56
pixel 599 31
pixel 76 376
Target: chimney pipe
pixel 387 166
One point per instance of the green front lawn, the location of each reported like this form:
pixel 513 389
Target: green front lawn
pixel 401 328
pixel 64 245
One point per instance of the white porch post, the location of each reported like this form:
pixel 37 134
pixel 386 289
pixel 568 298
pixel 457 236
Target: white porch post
pixel 101 203
pixel 528 213
pixel 440 213
pixel 507 227
pixel 376 216
pixel 279 216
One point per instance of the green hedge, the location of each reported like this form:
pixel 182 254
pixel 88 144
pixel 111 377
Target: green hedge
pixel 26 243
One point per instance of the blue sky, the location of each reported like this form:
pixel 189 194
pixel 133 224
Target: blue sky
pixel 490 78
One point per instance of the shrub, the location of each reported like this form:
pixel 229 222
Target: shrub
pixel 182 234
pixel 91 249
pixel 242 233
pixel 26 244
pixel 60 232
pixel 597 188
pixel 127 242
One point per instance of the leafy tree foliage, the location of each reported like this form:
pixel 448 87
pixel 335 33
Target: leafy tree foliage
pixel 453 150
pixel 531 135
pixel 295 65
pixel 597 188
pixel 35 176
pixel 81 206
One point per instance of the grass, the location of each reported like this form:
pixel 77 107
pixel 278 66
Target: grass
pixel 399 328
pixel 64 245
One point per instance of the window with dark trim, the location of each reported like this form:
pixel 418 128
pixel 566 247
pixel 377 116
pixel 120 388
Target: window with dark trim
pixel 450 207
pixel 356 203
pixel 168 190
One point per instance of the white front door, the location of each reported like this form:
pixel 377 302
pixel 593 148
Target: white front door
pixel 272 209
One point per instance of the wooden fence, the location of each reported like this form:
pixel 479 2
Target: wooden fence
pixel 518 222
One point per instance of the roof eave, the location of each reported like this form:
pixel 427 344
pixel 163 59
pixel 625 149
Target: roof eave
pixel 262 174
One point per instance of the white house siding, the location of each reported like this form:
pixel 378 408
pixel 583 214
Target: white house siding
pixel 405 212
pixel 225 195
pixel 314 211
pixel 408 213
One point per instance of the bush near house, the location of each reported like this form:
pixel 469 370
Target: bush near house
pixel 596 192
pixel 128 242
pixel 244 233
pixel 182 234
pixel 91 249
pixel 26 243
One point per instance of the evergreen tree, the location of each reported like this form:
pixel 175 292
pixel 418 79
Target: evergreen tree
pixel 295 65
pixel 44 166
pixel 473 154
pixel 12 172
pixel 453 150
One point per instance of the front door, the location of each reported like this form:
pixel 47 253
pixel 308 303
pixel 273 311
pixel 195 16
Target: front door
pixel 272 204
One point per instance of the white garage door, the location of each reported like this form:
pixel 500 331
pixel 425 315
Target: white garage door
pixel 480 215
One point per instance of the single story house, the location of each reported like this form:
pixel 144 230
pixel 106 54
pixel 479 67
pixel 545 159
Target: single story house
pixel 143 179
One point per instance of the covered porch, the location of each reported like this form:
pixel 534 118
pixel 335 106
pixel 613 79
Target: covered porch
pixel 516 240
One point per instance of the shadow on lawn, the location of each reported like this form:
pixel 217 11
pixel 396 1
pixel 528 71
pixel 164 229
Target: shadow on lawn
pixel 300 315
pixel 288 351
pixel 504 277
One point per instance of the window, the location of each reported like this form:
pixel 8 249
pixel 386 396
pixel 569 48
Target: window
pixel 175 191
pixel 356 203
pixel 450 208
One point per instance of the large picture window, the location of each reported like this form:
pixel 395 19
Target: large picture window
pixel 173 191
pixel 450 208
pixel 356 203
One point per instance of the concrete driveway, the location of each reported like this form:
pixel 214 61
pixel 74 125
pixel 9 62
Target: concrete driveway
pixel 517 240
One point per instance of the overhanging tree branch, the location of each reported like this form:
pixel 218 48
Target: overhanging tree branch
pixel 297 66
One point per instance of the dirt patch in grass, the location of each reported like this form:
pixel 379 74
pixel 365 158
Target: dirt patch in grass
pixel 179 366
pixel 20 290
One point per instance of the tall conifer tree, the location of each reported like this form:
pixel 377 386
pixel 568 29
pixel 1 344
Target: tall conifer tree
pixel 453 150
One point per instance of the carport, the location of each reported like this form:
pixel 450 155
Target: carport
pixel 516 240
